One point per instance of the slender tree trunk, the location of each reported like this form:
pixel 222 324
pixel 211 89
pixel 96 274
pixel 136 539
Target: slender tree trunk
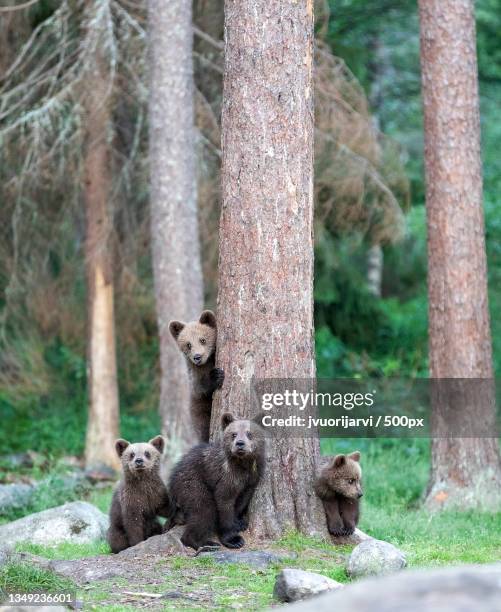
pixel 379 67
pixel 265 301
pixel 465 471
pixel 103 423
pixel 375 263
pixel 174 222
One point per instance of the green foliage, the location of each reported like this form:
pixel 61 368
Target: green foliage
pixel 358 334
pixel 488 14
pixel 54 422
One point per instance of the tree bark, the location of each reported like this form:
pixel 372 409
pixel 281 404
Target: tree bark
pixel 265 301
pixel 103 422
pixel 465 471
pixel 174 221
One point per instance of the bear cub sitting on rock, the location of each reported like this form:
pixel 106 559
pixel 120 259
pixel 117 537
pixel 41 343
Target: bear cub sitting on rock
pixel 212 485
pixel 141 495
pixel 339 487
pixel 197 342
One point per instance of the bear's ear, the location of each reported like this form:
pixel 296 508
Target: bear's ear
pixel 120 446
pixel 338 461
pixel 158 442
pixel 355 456
pixel 175 328
pixel 258 418
pixel 208 318
pixel 226 419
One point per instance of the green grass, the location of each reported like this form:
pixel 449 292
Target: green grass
pixel 22 577
pixel 65 550
pixel 101 498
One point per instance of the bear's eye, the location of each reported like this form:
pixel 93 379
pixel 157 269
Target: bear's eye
pixel 188 346
pixel 351 481
pixel 249 435
pixel 147 455
pixel 132 455
pixel 233 435
pixel 202 340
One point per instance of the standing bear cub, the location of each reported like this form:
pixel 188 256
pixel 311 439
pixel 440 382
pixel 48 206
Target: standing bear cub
pixel 197 341
pixel 212 485
pixel 339 487
pixel 140 496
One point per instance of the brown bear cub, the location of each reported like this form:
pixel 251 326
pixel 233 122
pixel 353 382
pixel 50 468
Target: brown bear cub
pixel 212 485
pixel 140 496
pixel 197 341
pixel 339 487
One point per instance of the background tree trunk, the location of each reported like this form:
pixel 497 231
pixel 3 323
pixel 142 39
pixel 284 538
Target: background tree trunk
pixel 379 67
pixel 103 423
pixel 174 222
pixel 375 261
pixel 265 301
pixel 465 471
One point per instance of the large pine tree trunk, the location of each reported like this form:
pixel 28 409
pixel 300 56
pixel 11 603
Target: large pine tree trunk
pixel 465 471
pixel 174 222
pixel 265 301
pixel 103 422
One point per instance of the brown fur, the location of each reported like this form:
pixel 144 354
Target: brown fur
pixel 197 342
pixel 140 496
pixel 213 484
pixel 339 487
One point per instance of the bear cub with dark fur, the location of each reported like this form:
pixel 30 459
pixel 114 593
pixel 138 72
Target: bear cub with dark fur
pixel 141 495
pixel 212 485
pixel 339 487
pixel 197 342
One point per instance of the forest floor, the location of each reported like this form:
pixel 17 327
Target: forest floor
pixel 395 475
pixel 160 574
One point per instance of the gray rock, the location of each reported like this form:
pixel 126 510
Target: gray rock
pixel 4 556
pixel 474 587
pixel 355 538
pixel 374 558
pixel 30 559
pixel 86 571
pixel 253 558
pixel 165 544
pixel 76 522
pixel 100 474
pixel 295 584
pixel 14 496
pixel 28 459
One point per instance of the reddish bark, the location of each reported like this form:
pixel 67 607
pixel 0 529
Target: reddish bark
pixel 465 471
pixel 265 302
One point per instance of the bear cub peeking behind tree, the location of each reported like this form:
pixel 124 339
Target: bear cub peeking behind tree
pixel 212 485
pixel 141 495
pixel 197 341
pixel 339 487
